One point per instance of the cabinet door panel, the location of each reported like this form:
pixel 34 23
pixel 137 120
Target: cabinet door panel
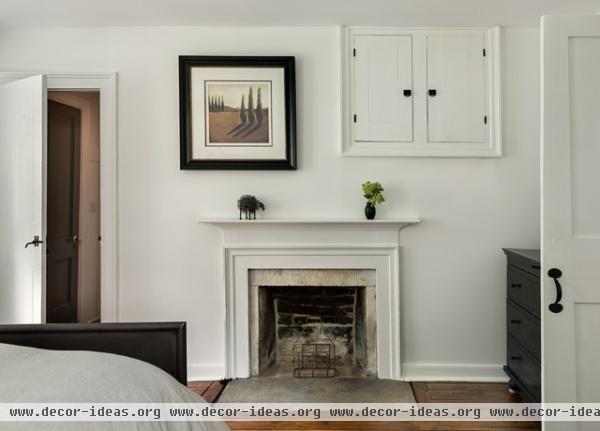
pixel 383 70
pixel 456 70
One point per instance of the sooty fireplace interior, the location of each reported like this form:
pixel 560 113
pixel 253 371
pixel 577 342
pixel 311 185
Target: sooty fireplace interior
pixel 319 329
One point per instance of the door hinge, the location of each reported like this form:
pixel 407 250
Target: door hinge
pixel 484 52
pixel 485 119
pixel 355 118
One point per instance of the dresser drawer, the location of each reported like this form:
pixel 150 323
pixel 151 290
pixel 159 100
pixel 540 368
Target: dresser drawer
pixel 525 264
pixel 524 328
pixel 525 367
pixel 524 289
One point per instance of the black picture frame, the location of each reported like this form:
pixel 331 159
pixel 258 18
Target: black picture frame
pixel 187 62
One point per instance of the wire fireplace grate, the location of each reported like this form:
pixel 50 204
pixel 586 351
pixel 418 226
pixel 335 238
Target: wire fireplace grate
pixel 315 358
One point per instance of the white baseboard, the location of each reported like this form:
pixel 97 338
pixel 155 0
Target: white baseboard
pixel 453 373
pixel 205 372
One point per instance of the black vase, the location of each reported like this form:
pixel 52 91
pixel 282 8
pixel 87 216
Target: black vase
pixel 370 211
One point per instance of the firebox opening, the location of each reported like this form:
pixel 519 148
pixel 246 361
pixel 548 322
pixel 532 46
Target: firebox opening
pixel 290 316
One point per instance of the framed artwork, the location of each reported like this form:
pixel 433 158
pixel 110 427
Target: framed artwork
pixel 237 112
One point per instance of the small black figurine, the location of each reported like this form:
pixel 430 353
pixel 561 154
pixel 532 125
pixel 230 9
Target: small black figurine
pixel 248 205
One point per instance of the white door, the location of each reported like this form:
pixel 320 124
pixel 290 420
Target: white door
pixel 456 87
pixel 571 211
pixel 383 108
pixel 22 170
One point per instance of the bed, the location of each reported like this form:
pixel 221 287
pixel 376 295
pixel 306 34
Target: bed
pixel 103 362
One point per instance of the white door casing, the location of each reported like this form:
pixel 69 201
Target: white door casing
pixel 571 211
pixel 22 181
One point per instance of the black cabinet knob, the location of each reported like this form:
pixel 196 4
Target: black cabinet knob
pixel 407 93
pixel 432 92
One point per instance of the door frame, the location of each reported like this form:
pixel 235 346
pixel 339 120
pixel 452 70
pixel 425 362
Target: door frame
pixel 106 84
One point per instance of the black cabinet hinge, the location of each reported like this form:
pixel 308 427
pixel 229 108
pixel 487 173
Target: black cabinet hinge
pixel 355 118
pixel 485 119
pixel 354 52
pixel 484 52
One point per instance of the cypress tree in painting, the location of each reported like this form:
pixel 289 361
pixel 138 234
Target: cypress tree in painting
pixel 259 109
pixel 243 112
pixel 222 104
pixel 250 107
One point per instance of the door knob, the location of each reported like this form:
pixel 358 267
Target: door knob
pixel 74 239
pixel 36 242
pixel 555 274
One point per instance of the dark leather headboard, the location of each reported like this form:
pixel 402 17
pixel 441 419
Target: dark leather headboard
pixel 161 344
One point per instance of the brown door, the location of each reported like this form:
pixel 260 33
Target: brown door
pixel 64 124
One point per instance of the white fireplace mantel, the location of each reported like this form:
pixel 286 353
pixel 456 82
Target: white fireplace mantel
pixel 311 244
pixel 397 222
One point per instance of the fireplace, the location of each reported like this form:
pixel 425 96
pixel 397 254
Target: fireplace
pixel 296 248
pixel 295 310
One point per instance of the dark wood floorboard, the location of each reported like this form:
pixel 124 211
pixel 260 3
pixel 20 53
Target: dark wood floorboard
pixel 451 392
pixel 425 392
pixel 210 391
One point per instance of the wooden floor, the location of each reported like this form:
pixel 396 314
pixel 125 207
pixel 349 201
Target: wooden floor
pixel 425 392
pixel 210 391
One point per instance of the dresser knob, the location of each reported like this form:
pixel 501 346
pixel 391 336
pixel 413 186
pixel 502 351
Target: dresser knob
pixel 517 285
pixel 515 321
pixel 515 358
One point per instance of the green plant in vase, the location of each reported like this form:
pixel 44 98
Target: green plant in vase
pixel 372 192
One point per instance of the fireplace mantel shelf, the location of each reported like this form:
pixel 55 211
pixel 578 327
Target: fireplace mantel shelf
pixel 399 222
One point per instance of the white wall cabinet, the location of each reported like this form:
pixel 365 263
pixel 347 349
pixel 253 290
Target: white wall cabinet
pixel 421 92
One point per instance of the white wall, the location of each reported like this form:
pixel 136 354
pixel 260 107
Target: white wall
pixel 453 284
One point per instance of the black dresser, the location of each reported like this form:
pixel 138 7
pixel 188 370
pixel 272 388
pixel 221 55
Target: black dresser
pixel 523 322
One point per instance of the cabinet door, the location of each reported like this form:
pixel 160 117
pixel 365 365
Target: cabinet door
pixel 382 71
pixel 456 70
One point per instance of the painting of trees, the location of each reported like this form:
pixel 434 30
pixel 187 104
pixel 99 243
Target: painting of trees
pixel 238 113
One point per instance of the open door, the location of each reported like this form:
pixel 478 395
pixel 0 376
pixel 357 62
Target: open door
pixel 22 173
pixel 571 212
pixel 62 236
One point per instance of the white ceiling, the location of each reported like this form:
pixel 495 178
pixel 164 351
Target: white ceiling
pixel 77 13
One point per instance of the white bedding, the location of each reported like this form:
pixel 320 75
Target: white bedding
pixel 35 375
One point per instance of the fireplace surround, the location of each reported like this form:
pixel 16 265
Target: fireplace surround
pixel 319 245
